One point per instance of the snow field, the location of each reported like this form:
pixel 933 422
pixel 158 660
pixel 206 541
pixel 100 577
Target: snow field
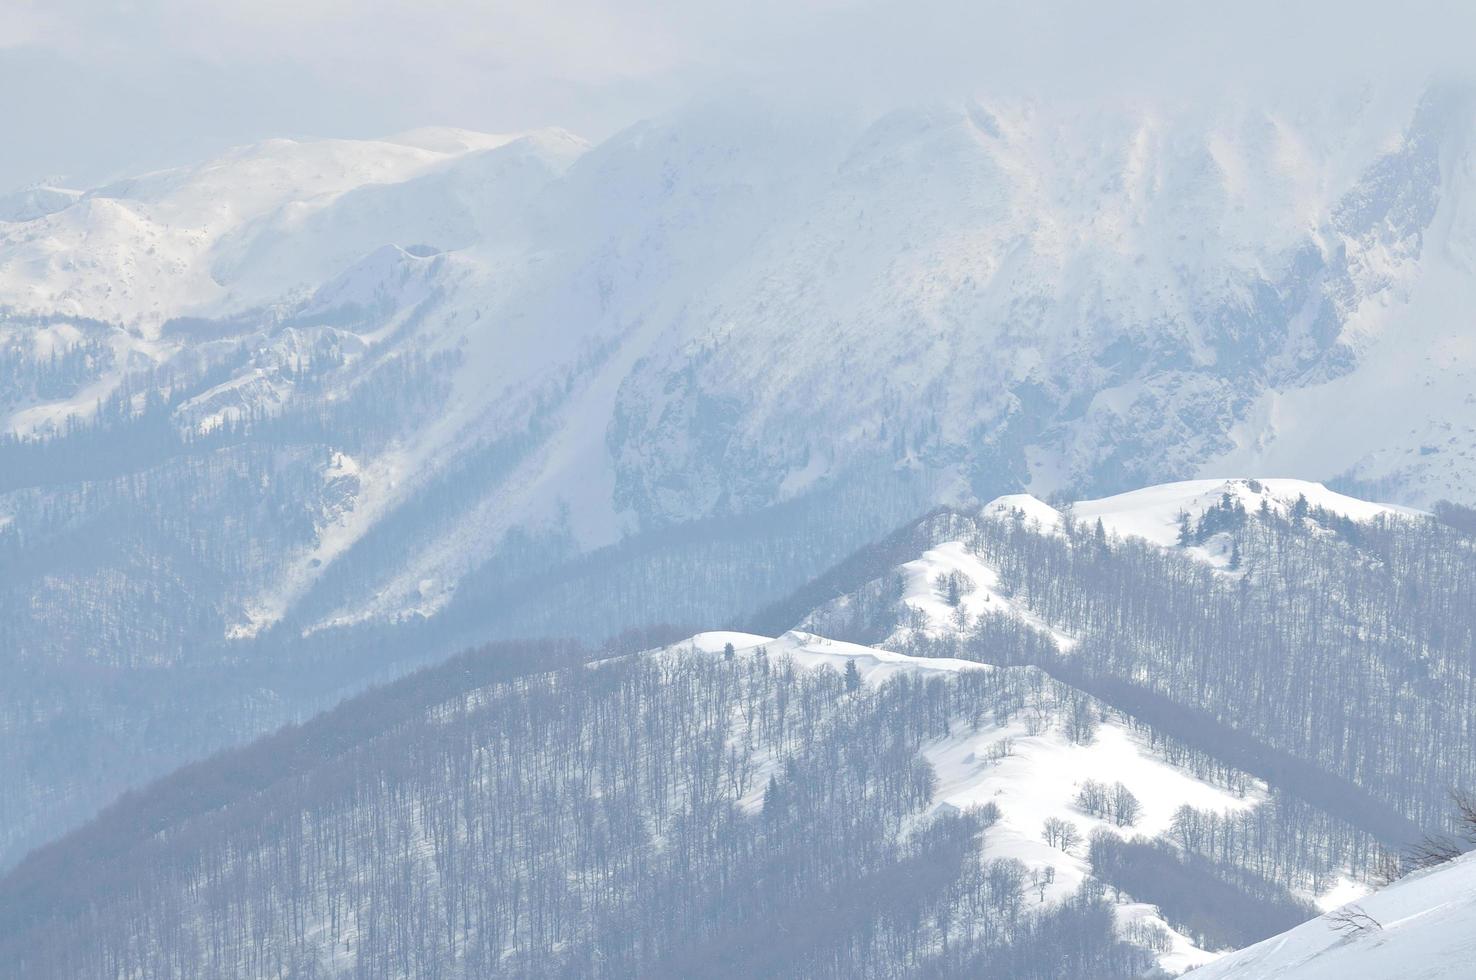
pixel 1422 927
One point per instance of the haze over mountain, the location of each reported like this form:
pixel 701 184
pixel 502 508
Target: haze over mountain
pixel 322 385
pixel 1032 445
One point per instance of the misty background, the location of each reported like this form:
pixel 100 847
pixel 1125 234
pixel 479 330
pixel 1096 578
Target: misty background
pixel 98 89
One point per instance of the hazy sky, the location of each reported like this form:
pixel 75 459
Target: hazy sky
pixel 93 88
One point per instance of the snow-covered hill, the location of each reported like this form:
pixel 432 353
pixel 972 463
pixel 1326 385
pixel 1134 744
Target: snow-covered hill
pixel 1171 601
pixel 1422 927
pixel 945 599
pixel 1033 771
pixel 1156 513
pixel 944 591
pixel 1152 513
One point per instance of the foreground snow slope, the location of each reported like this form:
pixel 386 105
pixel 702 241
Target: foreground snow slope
pixel 1031 772
pixel 1420 928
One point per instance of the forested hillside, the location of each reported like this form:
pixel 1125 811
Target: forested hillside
pixel 1092 753
pixel 654 815
pixel 1315 650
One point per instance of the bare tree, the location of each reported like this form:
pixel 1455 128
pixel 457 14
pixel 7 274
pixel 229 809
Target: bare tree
pixel 1433 849
pixel 1042 878
pixel 1387 867
pixel 1091 797
pixel 1352 921
pixel 1060 833
pixel 1125 806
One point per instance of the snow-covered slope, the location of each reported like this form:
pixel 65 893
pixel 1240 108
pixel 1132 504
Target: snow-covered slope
pixel 874 664
pixel 942 592
pixel 949 586
pixel 241 230
pixel 1154 513
pixel 1035 777
pixel 946 258
pixel 30 203
pixel 1399 418
pixel 1422 927
pixel 1031 771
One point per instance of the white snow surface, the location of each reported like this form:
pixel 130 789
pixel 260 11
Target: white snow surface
pixel 1034 512
pixel 1039 779
pixel 979 593
pixel 240 230
pixel 874 665
pixel 1428 932
pixel 1405 415
pixel 1030 777
pixel 1152 513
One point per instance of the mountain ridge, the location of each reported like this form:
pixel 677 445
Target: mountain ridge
pixel 462 368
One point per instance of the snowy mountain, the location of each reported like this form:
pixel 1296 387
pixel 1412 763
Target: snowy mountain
pixel 1158 516
pixel 356 405
pixel 1017 298
pixel 1239 614
pixel 1420 926
pixel 191 242
pixel 969 594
